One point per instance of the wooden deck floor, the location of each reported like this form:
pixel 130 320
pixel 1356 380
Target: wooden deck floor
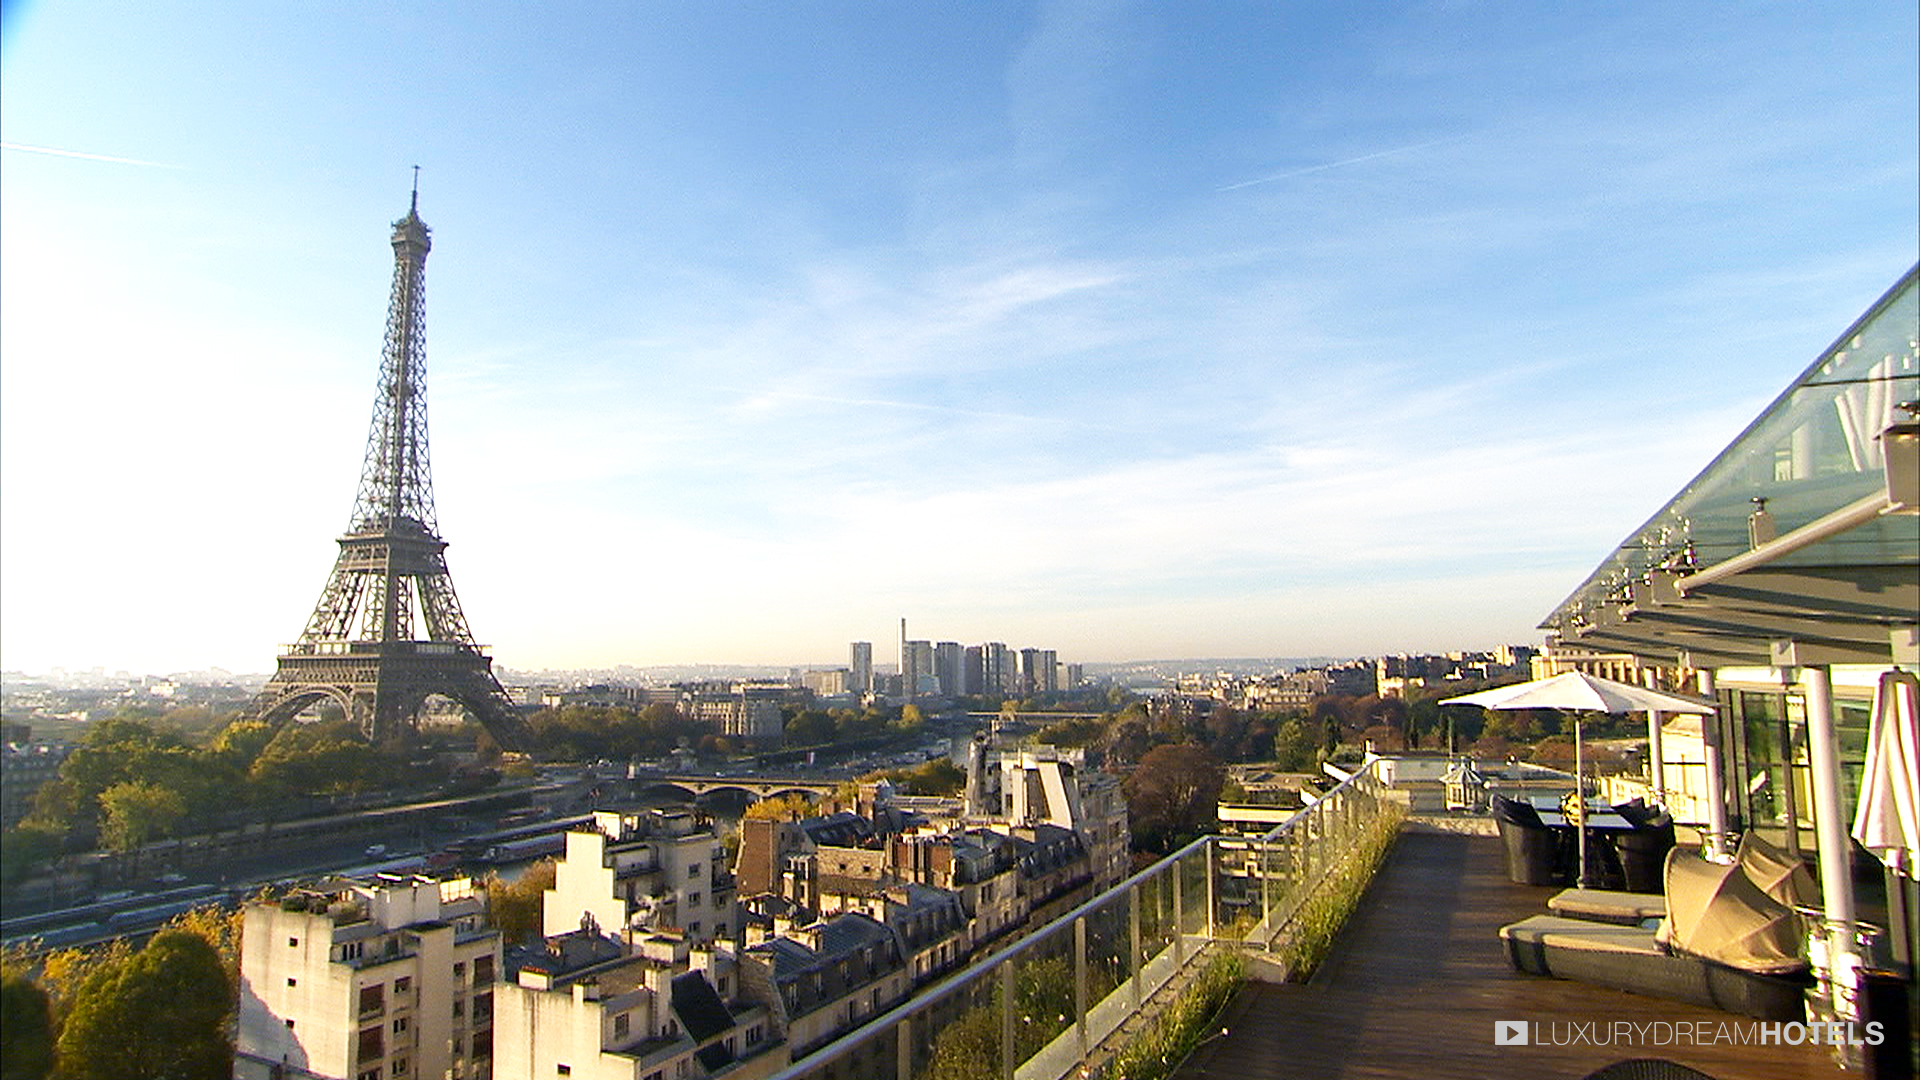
pixel 1418 979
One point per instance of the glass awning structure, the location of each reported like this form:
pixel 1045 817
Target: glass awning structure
pixel 1800 543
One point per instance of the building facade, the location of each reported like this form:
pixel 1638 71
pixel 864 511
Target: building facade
pixel 390 978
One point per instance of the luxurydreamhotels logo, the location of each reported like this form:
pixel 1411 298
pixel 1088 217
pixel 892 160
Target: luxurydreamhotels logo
pixel 1687 1033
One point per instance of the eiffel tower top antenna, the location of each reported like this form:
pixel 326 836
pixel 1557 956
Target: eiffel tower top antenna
pixel 416 190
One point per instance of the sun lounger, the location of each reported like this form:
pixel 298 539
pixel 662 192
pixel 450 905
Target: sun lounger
pixel 1628 958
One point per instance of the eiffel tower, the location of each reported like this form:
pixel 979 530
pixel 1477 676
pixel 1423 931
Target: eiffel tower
pixel 361 648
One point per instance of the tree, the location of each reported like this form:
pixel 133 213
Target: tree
pixel 1294 747
pixel 221 927
pixel 1173 794
pixel 138 811
pixel 514 906
pixel 26 1028
pixel 161 1013
pixel 789 807
pixel 810 727
pixel 26 846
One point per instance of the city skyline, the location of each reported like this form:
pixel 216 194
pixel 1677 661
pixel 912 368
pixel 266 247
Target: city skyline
pixel 1134 332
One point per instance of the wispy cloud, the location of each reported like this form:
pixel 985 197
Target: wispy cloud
pixel 82 155
pixel 1341 164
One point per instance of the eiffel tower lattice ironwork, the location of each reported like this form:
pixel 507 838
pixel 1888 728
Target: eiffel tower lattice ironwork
pixel 361 647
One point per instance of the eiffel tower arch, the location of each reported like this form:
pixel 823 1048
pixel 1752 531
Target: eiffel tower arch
pixel 388 632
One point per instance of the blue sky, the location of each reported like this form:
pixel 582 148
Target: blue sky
pixel 1127 330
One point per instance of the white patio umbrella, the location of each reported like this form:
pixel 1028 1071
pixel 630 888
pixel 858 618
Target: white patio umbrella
pixel 1887 819
pixel 1581 692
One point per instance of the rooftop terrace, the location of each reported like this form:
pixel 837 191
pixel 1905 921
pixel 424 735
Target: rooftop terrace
pixel 1417 981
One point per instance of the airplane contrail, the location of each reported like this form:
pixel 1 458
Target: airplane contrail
pixel 1339 164
pixel 83 156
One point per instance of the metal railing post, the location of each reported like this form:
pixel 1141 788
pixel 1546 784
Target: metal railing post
pixel 1266 887
pixel 1208 863
pixel 1007 1062
pixel 903 1049
pixel 1133 935
pixel 1179 917
pixel 1080 982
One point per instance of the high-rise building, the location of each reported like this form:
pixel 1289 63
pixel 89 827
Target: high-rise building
pixel 862 667
pixel 973 677
pixel 917 674
pixel 997 668
pixel 949 666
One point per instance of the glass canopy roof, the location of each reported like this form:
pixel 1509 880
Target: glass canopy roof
pixel 1843 584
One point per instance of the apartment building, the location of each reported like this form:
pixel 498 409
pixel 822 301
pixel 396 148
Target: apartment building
pixel 386 978
pixel 591 1008
pixel 626 873
pixel 823 980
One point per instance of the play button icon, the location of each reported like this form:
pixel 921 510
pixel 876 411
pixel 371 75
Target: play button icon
pixel 1510 1033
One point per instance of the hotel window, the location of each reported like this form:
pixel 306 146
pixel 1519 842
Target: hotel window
pixel 693 872
pixel 370 1074
pixel 372 1045
pixel 483 969
pixel 482 1008
pixel 460 972
pixel 403 985
pixel 373 998
pixel 400 1024
pixel 483 1043
pixel 399 1066
pixel 620 1025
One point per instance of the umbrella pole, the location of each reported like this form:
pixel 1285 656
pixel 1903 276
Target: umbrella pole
pixel 1580 801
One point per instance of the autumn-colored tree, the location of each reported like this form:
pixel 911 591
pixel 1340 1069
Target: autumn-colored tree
pixel 161 1013
pixel 514 906
pixel 221 927
pixel 1172 795
pixel 789 807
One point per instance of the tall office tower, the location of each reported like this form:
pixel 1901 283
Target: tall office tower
pixel 974 674
pixel 388 632
pixel 949 665
pixel 1027 675
pixel 1047 672
pixel 997 669
pixel 862 665
pixel 919 675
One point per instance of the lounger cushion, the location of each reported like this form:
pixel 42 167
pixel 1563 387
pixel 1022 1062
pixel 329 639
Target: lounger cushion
pixel 1608 905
